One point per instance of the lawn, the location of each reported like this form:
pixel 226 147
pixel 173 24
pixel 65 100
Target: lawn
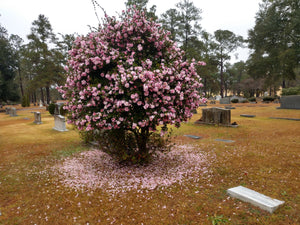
pixel 51 177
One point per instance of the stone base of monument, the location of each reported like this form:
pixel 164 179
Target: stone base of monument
pixel 262 201
pixel 60 123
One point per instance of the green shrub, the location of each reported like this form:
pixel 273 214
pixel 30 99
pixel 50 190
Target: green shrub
pixel 291 91
pixel 245 101
pixel 235 100
pixel 51 108
pixel 62 111
pixel 253 99
pixel 268 99
pixel 25 101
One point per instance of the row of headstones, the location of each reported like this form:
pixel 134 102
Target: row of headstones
pixel 59 121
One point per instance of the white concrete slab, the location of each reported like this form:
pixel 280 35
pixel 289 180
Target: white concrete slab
pixel 262 201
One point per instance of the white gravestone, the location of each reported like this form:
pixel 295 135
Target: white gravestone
pixel 255 198
pixel 60 123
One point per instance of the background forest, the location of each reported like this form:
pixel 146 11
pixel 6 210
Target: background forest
pixel 31 70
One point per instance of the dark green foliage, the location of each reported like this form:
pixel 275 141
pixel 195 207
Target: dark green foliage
pixel 253 99
pixel 25 101
pixel 291 91
pixel 8 63
pixel 62 111
pixel 275 41
pixel 268 99
pixel 235 100
pixel 51 108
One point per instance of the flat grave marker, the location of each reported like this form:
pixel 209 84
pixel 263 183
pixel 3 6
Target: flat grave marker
pixel 246 115
pixel 224 140
pixel 262 201
pixel 283 118
pixel 192 136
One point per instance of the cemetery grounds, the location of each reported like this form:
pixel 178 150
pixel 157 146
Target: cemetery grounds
pixel 51 177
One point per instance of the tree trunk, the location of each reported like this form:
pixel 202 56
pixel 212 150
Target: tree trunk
pixel 222 80
pixel 141 140
pixel 48 95
pixel 42 95
pixel 21 83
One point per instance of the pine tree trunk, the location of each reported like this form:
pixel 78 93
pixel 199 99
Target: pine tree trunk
pixel 48 95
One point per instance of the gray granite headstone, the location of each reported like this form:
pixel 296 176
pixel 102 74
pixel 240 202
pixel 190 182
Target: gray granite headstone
pixel 13 112
pixel 7 110
pixel 225 100
pixel 37 118
pixel 60 123
pixel 262 201
pixel 290 102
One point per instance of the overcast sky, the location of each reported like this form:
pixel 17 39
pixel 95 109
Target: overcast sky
pixel 70 16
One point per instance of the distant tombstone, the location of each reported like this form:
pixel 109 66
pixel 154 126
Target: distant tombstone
pixel 13 112
pixel 218 97
pixel 37 118
pixel 60 123
pixel 225 100
pixel 41 103
pixel 216 116
pixel 7 110
pixel 290 102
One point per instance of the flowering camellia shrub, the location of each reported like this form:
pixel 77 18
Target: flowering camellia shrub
pixel 131 78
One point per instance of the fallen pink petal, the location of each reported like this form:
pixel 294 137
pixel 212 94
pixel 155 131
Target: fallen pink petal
pixel 95 169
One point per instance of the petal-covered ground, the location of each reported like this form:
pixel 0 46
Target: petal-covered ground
pixel 95 169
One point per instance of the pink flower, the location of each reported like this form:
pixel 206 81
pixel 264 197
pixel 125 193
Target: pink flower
pixel 140 47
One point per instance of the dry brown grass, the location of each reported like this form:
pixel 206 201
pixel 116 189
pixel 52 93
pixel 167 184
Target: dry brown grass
pixel 264 157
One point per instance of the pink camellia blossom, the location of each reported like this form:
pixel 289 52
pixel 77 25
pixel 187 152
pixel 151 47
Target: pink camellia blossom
pixel 140 47
pixel 109 77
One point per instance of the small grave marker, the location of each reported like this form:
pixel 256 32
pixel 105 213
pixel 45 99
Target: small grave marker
pixel 60 123
pixel 193 136
pixel 13 112
pixel 262 201
pixel 223 140
pixel 246 115
pixel 7 110
pixel 37 118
